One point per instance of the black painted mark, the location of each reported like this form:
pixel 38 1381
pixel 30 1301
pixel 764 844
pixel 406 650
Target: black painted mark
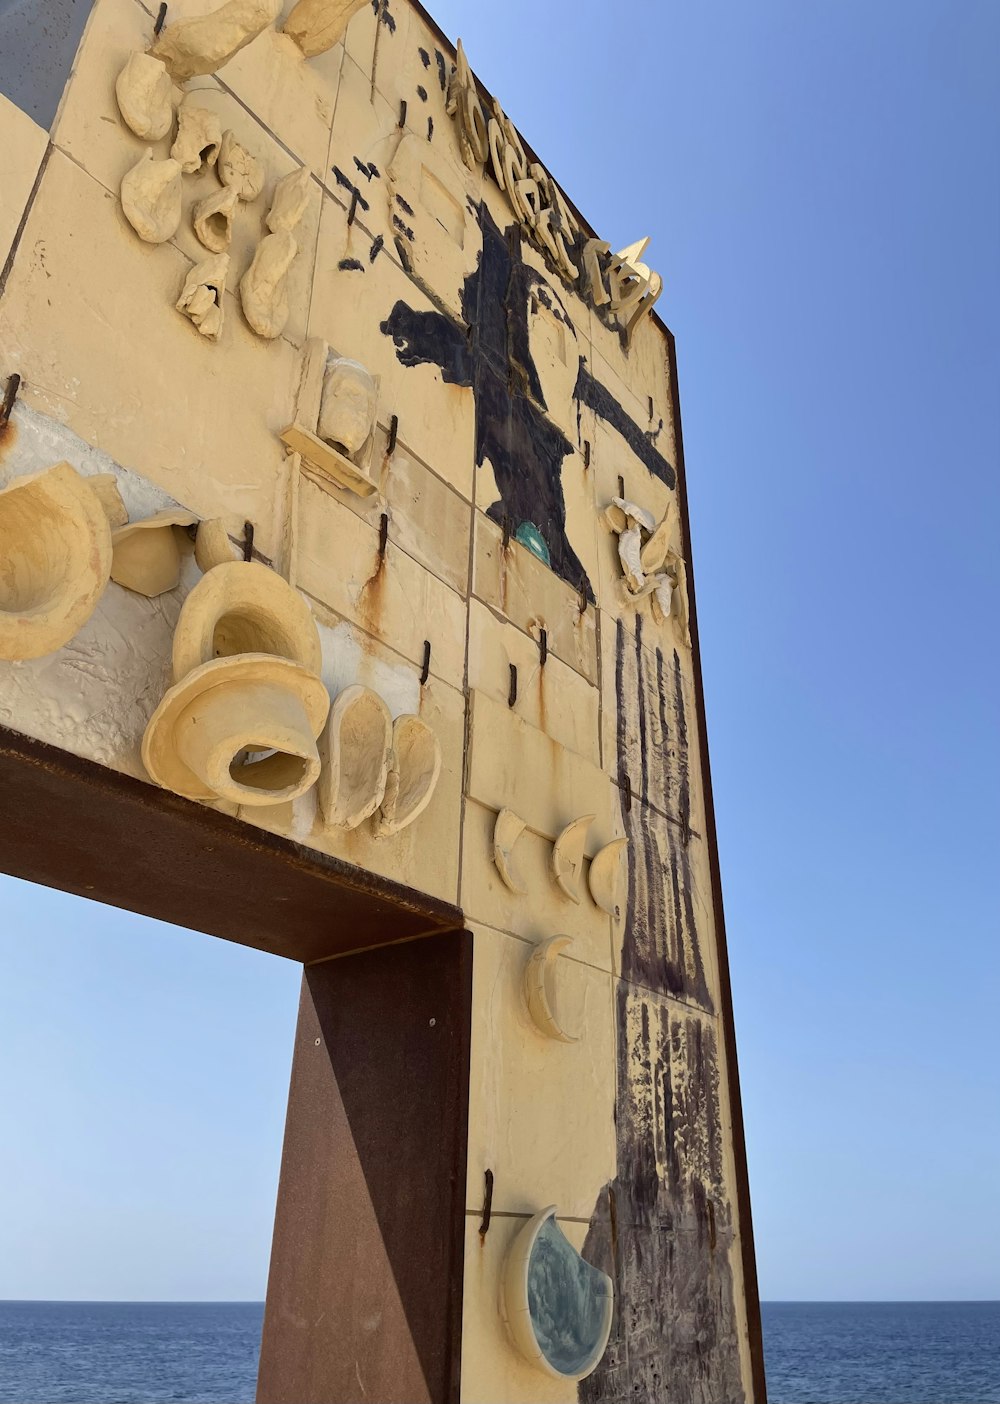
pixel 591 392
pixel 367 169
pixel 376 248
pixel 425 57
pixel 421 92
pixel 355 193
pixel 389 20
pixel 403 251
pixel 404 229
pixel 430 128
pixel 442 70
pixel 404 204
pixel 351 265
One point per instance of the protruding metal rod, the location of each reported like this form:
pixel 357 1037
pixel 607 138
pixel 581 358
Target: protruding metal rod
pixel 512 690
pixel 247 538
pixel 487 1204
pixel 543 644
pixel 393 431
pixel 160 18
pixel 9 396
pixel 425 671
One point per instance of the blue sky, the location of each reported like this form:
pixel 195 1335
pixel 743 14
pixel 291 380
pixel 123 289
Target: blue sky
pixel 821 183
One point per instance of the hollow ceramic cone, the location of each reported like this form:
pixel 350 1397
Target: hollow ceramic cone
pixel 539 985
pixel 241 729
pixel 356 752
pixel 55 559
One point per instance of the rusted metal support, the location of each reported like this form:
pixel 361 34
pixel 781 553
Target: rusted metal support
pixel 425 671
pixel 9 396
pixel 487 1204
pixel 383 534
pixel 160 18
pixel 543 645
pixel 393 431
pixel 248 541
pixel 512 690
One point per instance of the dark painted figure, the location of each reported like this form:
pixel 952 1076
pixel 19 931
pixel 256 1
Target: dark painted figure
pixel 489 350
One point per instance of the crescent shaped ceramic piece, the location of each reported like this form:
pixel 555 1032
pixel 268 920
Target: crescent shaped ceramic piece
pixel 539 975
pixel 506 831
pixel 605 875
pixel 414 768
pixel 567 857
pixel 558 1307
pixel 654 553
pixel 358 745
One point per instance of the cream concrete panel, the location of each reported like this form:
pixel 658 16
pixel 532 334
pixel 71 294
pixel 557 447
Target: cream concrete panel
pixel 436 419
pixel 365 132
pixel 427 518
pixel 395 600
pixel 514 766
pixel 130 382
pixel 543 911
pixel 360 38
pixel 516 583
pixel 643 367
pixel 22 143
pixel 424 856
pixel 492 1370
pixel 553 698
pixel 293 96
pixel 541 1112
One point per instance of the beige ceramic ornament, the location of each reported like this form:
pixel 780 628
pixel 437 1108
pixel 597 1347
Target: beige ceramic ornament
pixel 147 554
pixel 151 198
pixel 199 136
pixel 55 558
pixel 144 92
pixel 539 988
pixel 203 45
pixel 358 742
pixel 414 769
pixel 213 218
pixel 264 286
pixel 605 875
pixel 243 607
pixel 213 544
pixel 316 25
pixel 288 204
pixel 567 857
pixel 347 407
pixel 239 169
pixel 241 729
pixel 203 295
pixel 506 831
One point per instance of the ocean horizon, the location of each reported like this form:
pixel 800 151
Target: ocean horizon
pixel 162 1352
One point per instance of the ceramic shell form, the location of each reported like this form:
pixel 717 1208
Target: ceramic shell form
pixel 151 198
pixel 239 168
pixel 539 988
pixel 147 554
pixel 55 559
pixel 243 607
pixel 204 44
pixel 239 728
pixel 506 831
pixel 203 296
pixel 356 754
pixel 145 97
pixel 316 25
pixel 413 775
pixel 212 218
pixel 288 204
pixel 567 857
pixel 515 1299
pixel 347 405
pixel 263 287
pixel 605 875
pixel 213 544
pixel 199 136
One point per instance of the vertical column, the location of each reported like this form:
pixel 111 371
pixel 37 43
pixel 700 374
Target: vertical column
pixel 364 1298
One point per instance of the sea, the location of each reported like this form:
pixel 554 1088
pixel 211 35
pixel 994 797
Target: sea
pixel 189 1352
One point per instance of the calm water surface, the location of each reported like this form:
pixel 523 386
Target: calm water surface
pixel 817 1352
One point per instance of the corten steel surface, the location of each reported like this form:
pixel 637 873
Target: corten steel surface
pixel 751 1293
pixel 364 1299
pixel 71 824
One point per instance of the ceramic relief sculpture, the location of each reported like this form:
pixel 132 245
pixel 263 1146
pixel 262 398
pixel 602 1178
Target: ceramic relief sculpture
pixel 203 295
pixel 358 749
pixel 604 878
pixel 147 554
pixel 263 287
pixel 213 543
pixel 335 416
pixel 538 985
pixel 289 202
pixel 651 569
pixel 567 857
pixel 557 1306
pixel 55 559
pixel 414 768
pixel 240 722
pixel 506 831
pixel 145 97
pixel 238 168
pixel 151 198
pixel 190 47
pixel 199 136
pixel 212 218
pixel 316 25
